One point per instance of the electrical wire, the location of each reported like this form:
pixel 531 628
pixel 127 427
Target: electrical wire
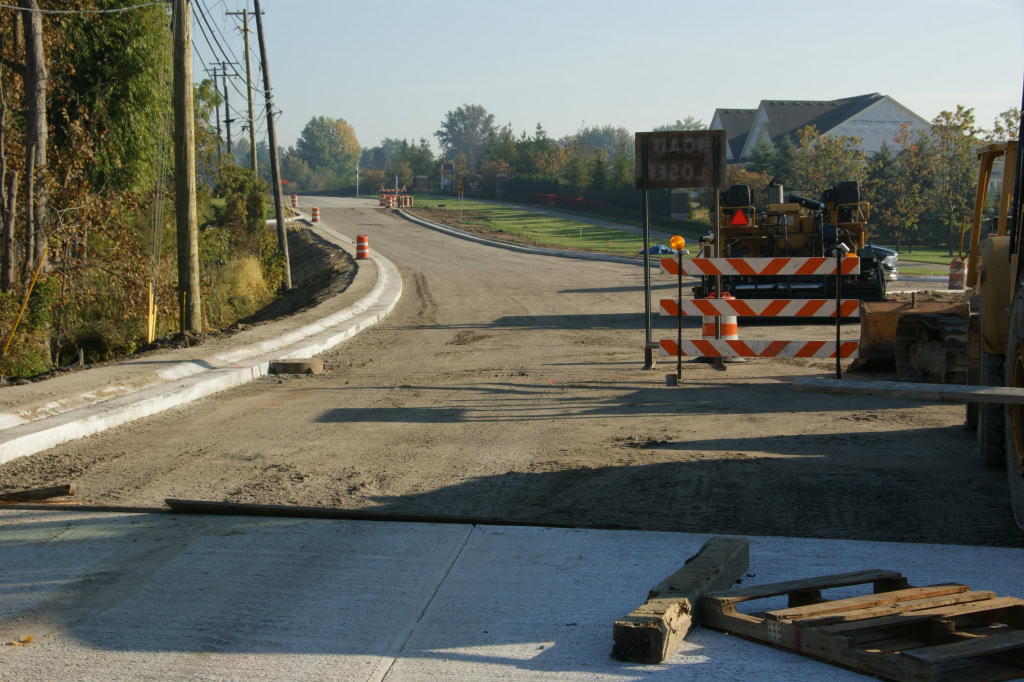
pixel 112 10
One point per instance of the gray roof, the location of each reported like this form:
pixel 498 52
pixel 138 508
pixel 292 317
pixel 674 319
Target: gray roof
pixel 786 117
pixel 736 123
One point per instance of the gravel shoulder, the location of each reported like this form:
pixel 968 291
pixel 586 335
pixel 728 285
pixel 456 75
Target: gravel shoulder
pixel 509 385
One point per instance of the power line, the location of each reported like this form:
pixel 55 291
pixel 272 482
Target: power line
pixel 112 10
pixel 210 44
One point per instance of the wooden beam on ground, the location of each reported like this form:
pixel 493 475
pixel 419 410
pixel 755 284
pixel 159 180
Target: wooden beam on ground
pixel 39 493
pixel 896 389
pixel 653 631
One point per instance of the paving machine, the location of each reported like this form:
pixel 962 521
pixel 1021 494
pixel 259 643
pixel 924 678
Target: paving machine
pixel 798 227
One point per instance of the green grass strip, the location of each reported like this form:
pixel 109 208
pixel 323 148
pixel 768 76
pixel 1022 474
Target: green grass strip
pixel 547 230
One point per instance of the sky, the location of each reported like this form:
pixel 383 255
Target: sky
pixel 395 69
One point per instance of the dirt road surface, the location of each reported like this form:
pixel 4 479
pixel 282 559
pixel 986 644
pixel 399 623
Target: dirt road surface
pixel 510 385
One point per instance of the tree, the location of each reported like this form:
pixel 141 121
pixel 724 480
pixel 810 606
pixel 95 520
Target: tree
pixel 623 169
pixel 762 157
pixel 599 170
pixel 501 146
pixel 330 149
pixel 881 177
pixel 1005 127
pixel 953 137
pixel 902 203
pixel 112 72
pixel 577 170
pixel 538 154
pixel 756 180
pixel 605 137
pixel 688 123
pixel 464 131
pixel 782 162
pixel 821 161
pixel 382 155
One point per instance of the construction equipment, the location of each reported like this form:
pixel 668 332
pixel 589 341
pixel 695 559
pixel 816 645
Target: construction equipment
pixel 982 345
pixel 799 227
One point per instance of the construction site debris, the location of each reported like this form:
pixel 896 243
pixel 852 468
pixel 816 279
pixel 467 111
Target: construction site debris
pixel 653 631
pixel 938 632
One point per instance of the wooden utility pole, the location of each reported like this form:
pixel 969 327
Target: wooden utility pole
pixel 227 109
pixel 189 298
pixel 36 129
pixel 220 161
pixel 253 165
pixel 275 171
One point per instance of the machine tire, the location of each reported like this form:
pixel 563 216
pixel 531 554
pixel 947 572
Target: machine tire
pixel 992 417
pixel 1014 377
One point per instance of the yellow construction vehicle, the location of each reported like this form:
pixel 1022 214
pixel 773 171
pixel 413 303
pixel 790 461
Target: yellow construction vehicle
pixel 799 227
pixel 980 344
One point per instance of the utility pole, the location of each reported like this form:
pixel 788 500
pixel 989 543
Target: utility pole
pixel 275 171
pixel 227 112
pixel 248 88
pixel 185 171
pixel 227 108
pixel 213 75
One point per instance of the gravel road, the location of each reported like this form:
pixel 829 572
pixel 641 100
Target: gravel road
pixel 510 385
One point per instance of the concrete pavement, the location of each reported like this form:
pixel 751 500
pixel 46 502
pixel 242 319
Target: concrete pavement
pixel 160 596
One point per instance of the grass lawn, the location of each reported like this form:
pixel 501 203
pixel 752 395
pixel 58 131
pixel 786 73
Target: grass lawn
pixel 938 256
pixel 543 229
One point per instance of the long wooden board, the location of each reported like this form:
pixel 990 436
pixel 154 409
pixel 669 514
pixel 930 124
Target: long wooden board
pixel 953 393
pixel 652 631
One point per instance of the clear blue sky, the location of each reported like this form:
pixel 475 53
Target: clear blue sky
pixel 393 69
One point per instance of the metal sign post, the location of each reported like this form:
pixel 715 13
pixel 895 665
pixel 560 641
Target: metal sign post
pixel 648 342
pixel 675 160
pixel 839 309
pixel 679 321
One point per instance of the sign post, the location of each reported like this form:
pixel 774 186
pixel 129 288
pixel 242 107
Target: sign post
pixel 677 160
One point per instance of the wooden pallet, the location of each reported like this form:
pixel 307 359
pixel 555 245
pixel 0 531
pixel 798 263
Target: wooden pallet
pixel 938 633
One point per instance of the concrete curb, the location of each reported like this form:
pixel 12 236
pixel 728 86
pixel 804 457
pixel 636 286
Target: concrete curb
pixel 514 247
pixel 189 368
pixel 36 436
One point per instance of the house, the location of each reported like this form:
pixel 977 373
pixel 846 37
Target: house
pixel 873 118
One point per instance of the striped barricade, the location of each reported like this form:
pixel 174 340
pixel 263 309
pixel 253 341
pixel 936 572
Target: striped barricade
pixel 763 308
pixel 810 265
pixel 759 349
pixel 779 307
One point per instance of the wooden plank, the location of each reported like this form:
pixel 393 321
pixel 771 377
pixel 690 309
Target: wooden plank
pixel 953 393
pixel 39 493
pixel 855 603
pixel 968 648
pixel 821 583
pixel 651 632
pixel 923 615
pixel 909 605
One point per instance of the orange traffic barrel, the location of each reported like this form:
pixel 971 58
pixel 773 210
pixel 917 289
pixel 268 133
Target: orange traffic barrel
pixel 316 214
pixel 957 275
pixel 730 327
pixel 362 246
pixel 295 201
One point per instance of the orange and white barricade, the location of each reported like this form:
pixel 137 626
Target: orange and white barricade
pixel 316 214
pixel 295 201
pixel 728 309
pixel 362 246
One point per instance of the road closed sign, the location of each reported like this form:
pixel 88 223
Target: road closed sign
pixel 681 159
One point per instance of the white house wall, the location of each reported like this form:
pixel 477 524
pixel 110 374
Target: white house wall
pixel 756 128
pixel 878 123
